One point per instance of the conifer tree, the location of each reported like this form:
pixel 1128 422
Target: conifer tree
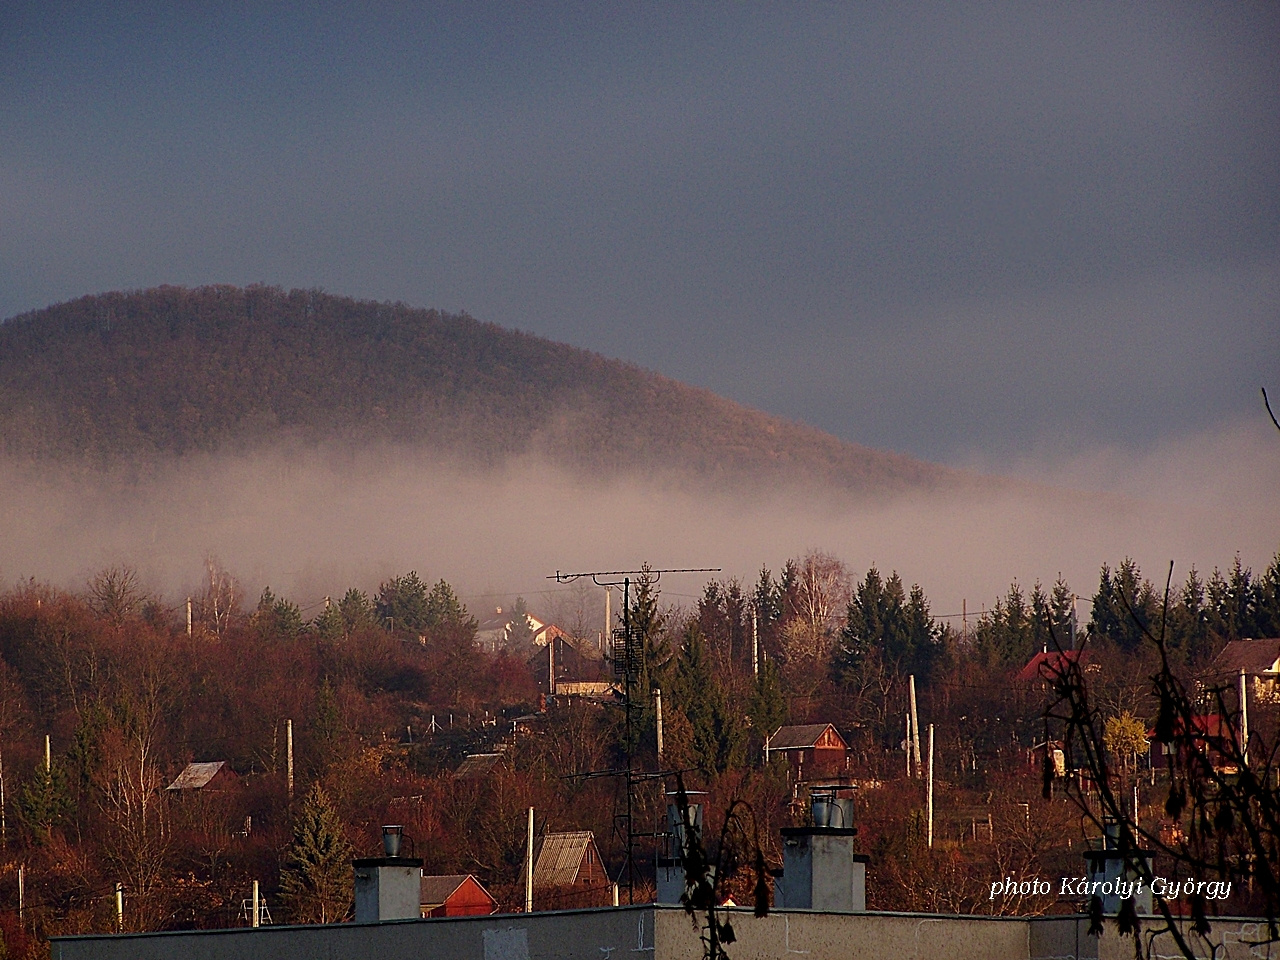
pixel 316 880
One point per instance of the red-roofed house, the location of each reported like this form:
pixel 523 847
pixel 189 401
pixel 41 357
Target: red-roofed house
pixel 812 750
pixel 1049 665
pixel 457 895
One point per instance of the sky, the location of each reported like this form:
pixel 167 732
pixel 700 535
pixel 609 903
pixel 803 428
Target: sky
pixel 995 235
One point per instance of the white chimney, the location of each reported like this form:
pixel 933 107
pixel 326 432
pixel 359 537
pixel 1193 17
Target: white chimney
pixel 820 870
pixel 389 887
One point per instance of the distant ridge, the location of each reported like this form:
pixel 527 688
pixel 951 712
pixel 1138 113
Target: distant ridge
pixel 172 371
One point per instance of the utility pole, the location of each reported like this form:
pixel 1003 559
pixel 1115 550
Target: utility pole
pixel 906 745
pixel 188 616
pixel 528 869
pixel 931 786
pixel 288 736
pixel 606 638
pixel 915 725
pixel 657 706
pixel 626 666
pixel 964 621
pixel 1244 717
pixel 755 643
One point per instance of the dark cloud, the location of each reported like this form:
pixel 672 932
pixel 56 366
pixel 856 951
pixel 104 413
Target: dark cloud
pixel 977 229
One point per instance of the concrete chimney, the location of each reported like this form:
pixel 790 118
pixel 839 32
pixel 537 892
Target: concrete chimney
pixel 820 870
pixel 1108 866
pixel 670 864
pixel 388 887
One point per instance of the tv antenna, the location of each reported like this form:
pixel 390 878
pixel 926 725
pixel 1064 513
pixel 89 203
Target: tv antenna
pixel 626 667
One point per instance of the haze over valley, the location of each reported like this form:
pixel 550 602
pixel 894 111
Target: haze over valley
pixel 311 442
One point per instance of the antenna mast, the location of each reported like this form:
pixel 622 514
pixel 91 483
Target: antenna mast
pixel 628 658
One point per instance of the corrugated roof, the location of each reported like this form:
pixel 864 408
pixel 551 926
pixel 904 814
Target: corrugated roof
pixel 1251 656
pixel 477 766
pixel 196 775
pixel 802 737
pixel 560 857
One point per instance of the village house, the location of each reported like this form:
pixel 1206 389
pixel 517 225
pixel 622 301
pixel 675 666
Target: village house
pixel 568 872
pixel 209 777
pixel 456 895
pixel 1257 660
pixel 812 750
pixel 494 633
pixel 1047 666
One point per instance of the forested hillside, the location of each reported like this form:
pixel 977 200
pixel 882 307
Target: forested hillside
pixel 386 693
pixel 128 376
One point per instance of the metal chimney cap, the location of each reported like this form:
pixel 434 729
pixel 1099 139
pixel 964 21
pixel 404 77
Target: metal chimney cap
pixel 391 836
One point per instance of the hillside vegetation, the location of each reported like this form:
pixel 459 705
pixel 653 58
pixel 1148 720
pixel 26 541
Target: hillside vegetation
pixel 128 377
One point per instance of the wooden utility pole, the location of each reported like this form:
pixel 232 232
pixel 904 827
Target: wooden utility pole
pixel 931 786
pixel 755 643
pixel 915 725
pixel 1244 717
pixel 906 747
pixel 607 636
pixel 657 707
pixel 528 869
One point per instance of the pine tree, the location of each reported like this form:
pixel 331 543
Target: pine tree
pixel 316 880
pixel 719 742
pixel 44 801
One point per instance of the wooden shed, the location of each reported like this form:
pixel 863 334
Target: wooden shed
pixel 568 872
pixel 812 750
pixel 456 895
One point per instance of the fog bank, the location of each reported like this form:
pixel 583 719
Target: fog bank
pixel 311 525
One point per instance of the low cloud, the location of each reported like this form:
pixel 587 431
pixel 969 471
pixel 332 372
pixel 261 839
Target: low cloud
pixel 311 524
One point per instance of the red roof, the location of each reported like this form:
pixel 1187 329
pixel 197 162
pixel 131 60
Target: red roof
pixel 1050 665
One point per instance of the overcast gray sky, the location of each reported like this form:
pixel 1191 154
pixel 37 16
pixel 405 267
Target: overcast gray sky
pixel 965 232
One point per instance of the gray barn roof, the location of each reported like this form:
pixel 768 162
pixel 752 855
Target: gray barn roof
pixel 196 775
pixel 560 857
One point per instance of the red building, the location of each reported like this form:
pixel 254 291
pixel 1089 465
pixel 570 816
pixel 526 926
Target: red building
pixel 459 895
pixel 812 750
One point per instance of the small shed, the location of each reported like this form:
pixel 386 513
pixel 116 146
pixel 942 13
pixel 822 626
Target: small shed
pixel 568 872
pixel 811 749
pixel 456 895
pixel 206 777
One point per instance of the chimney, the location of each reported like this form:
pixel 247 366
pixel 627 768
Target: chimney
pixel 1108 866
pixel 820 870
pixel 389 887
pixel 671 878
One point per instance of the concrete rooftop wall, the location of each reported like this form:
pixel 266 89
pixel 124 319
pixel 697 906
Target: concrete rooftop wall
pixel 647 932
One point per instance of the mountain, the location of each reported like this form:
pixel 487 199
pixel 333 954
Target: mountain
pixel 135 376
